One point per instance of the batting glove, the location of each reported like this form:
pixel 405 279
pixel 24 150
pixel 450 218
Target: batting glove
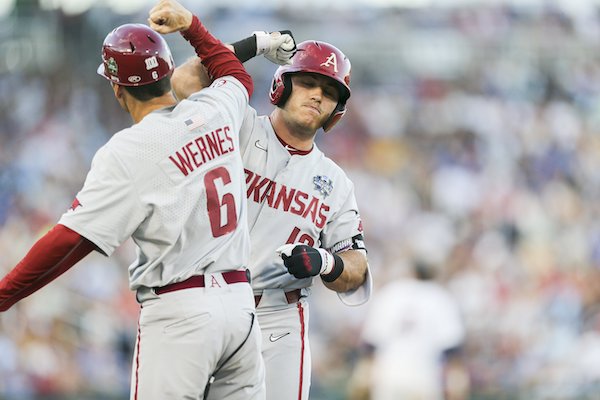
pixel 278 47
pixel 304 261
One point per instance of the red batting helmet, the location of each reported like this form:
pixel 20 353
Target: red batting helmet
pixel 135 55
pixel 320 58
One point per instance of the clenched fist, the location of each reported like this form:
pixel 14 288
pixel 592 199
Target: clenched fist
pixel 169 16
pixel 278 47
pixel 304 261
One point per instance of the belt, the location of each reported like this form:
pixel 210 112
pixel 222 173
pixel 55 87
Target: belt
pixel 198 281
pixel 293 296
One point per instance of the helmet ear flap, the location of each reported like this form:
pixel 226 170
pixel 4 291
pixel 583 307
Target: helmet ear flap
pixel 335 116
pixel 287 90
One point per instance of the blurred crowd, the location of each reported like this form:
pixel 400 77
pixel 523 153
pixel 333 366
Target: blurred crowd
pixel 473 140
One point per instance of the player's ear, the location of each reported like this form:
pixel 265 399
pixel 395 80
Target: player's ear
pixel 117 89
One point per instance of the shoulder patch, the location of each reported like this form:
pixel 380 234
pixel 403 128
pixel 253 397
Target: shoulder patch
pixel 323 185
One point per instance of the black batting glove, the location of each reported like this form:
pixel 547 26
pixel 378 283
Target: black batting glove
pixel 303 261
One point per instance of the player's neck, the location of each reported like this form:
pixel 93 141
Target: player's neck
pixel 298 140
pixel 139 109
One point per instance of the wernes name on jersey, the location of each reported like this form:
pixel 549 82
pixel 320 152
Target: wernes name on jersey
pixel 281 197
pixel 203 149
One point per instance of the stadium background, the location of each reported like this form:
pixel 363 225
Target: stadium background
pixel 472 136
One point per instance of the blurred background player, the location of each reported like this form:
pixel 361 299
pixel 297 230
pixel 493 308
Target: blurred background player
pixel 160 183
pixel 412 336
pixel 303 217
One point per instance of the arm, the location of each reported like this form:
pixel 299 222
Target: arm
pixel 192 76
pixel 354 273
pixel 456 380
pixel 51 256
pixel 340 272
pixel 170 16
pixel 189 78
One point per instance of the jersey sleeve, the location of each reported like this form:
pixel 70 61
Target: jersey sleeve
pixel 107 210
pixel 344 232
pixel 344 224
pixel 361 294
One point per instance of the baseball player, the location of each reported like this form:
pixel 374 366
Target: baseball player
pixel 303 217
pixel 413 328
pixel 174 182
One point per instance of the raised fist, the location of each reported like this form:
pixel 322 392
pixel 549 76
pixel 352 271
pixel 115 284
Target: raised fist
pixel 169 16
pixel 278 47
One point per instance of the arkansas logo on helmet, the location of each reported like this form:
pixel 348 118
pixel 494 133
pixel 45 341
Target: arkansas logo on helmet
pixel 320 58
pixel 135 55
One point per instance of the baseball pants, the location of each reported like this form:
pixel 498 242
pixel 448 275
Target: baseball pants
pixel 187 336
pixel 285 347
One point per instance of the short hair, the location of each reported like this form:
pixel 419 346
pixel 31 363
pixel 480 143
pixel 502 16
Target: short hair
pixel 151 90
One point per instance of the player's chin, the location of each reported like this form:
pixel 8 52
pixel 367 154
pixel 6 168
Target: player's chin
pixel 312 121
pixel 312 126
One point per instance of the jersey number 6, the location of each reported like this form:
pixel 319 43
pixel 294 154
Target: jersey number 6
pixel 214 204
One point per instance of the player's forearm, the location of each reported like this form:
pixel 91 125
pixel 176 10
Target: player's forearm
pixel 354 274
pixel 51 256
pixel 217 58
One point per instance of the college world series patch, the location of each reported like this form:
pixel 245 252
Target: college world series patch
pixel 323 185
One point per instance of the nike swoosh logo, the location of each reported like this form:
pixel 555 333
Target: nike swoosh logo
pixel 274 338
pixel 260 146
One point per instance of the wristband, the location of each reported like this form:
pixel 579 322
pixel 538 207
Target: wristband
pixel 336 271
pixel 245 49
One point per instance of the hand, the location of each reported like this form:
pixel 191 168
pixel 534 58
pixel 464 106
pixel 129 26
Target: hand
pixel 304 261
pixel 278 47
pixel 169 16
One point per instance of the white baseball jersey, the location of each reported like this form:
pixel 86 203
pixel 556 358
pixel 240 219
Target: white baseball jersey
pixel 411 323
pixel 292 199
pixel 301 198
pixel 171 182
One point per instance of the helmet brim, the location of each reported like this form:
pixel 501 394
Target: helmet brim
pixel 101 71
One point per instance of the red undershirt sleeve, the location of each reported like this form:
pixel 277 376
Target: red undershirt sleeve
pixel 50 257
pixel 218 59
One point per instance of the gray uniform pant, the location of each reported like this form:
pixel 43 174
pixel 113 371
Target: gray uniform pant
pixel 187 335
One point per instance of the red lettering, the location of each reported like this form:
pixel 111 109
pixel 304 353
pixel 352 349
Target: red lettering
pixel 312 209
pixel 184 165
pixel 284 197
pixel 214 282
pixel 231 144
pixel 221 141
pixel 202 147
pixel 202 150
pixel 213 143
pixel 256 186
pixel 192 153
pixel 291 200
pixel 269 193
pixel 299 202
pixel 249 175
pixel 322 217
